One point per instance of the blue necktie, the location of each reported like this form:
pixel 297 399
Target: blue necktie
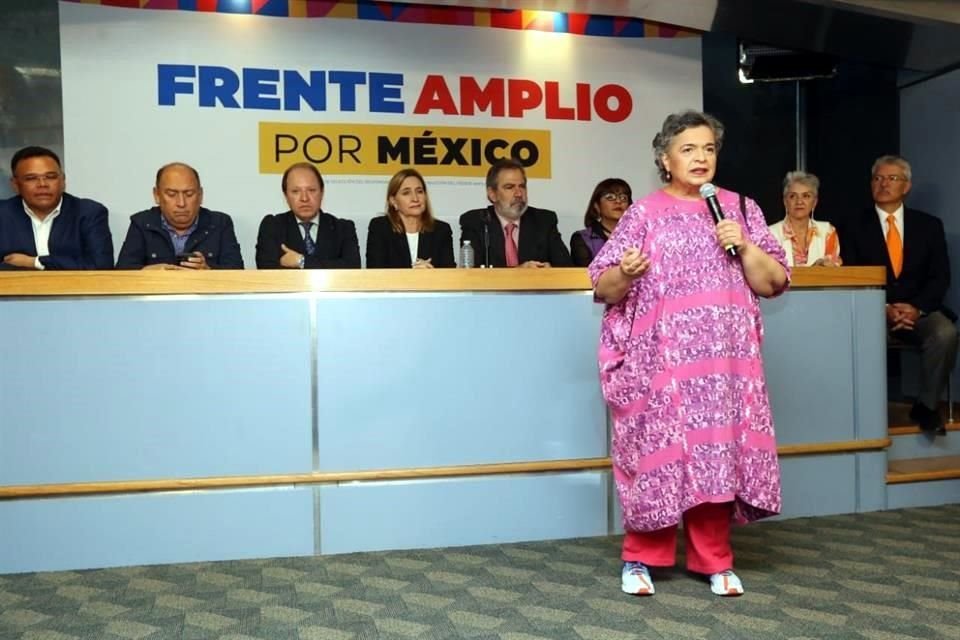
pixel 307 240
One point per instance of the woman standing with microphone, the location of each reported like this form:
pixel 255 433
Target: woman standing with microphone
pixel 680 366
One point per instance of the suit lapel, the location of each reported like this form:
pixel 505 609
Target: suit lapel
pixel 424 245
pixel 877 239
pixel 325 238
pixel 60 227
pixel 528 237
pixel 910 238
pixel 291 233
pixel 24 227
pixel 400 247
pixel 498 255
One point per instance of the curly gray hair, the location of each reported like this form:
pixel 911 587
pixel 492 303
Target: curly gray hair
pixel 674 125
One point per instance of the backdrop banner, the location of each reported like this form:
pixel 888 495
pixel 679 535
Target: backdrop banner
pixel 242 97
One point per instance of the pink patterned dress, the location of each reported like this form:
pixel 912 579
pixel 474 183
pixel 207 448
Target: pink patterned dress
pixel 680 367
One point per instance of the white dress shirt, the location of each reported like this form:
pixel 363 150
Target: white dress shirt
pixel 313 227
pixel 516 230
pixel 898 218
pixel 41 231
pixel 413 241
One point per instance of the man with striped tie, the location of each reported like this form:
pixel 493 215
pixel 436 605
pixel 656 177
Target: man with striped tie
pixel 306 236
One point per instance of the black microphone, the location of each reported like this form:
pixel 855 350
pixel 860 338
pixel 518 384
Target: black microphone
pixel 709 193
pixel 486 238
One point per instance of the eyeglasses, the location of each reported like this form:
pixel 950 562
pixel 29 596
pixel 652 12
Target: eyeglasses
pixel 615 197
pixel 34 178
pixel 878 178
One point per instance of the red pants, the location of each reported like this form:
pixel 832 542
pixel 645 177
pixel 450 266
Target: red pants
pixel 706 531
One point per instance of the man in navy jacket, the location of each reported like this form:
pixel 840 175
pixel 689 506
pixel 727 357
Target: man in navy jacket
pixel 44 228
pixel 178 233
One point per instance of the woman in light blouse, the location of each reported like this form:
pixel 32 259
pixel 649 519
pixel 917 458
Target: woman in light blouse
pixel 808 242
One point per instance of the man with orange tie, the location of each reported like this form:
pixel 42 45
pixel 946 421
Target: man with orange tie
pixel 912 246
pixel 509 233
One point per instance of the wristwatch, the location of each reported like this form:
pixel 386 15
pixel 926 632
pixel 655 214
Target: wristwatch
pixel 303 260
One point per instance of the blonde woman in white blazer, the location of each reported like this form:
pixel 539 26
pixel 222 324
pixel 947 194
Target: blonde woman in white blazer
pixel 808 242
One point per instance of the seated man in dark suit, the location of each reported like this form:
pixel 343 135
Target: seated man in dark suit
pixel 305 236
pixel 179 233
pixel 517 235
pixel 45 228
pixel 912 246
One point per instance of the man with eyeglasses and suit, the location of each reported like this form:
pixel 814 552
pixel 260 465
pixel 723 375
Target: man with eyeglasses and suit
pixel 516 235
pixel 43 227
pixel 912 246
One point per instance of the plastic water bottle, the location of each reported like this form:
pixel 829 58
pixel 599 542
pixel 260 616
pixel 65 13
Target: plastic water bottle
pixel 466 255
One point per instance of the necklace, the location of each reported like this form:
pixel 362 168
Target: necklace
pixel 801 237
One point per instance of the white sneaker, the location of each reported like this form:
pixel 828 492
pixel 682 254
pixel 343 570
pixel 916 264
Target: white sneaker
pixel 635 579
pixel 726 583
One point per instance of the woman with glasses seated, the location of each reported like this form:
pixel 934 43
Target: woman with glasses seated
pixel 610 199
pixel 808 242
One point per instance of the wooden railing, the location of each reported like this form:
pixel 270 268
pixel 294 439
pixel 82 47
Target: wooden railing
pixel 112 283
pixel 377 475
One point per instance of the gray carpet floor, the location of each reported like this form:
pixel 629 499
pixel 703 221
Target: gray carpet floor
pixel 881 576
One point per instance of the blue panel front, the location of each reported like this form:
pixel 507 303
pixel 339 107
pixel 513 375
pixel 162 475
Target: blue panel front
pixel 110 531
pixel 409 380
pixel 819 485
pixel 923 494
pixel 807 355
pixel 923 445
pixel 373 516
pixel 870 363
pixel 871 481
pixel 115 389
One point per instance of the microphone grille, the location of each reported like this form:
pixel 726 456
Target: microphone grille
pixel 707 190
